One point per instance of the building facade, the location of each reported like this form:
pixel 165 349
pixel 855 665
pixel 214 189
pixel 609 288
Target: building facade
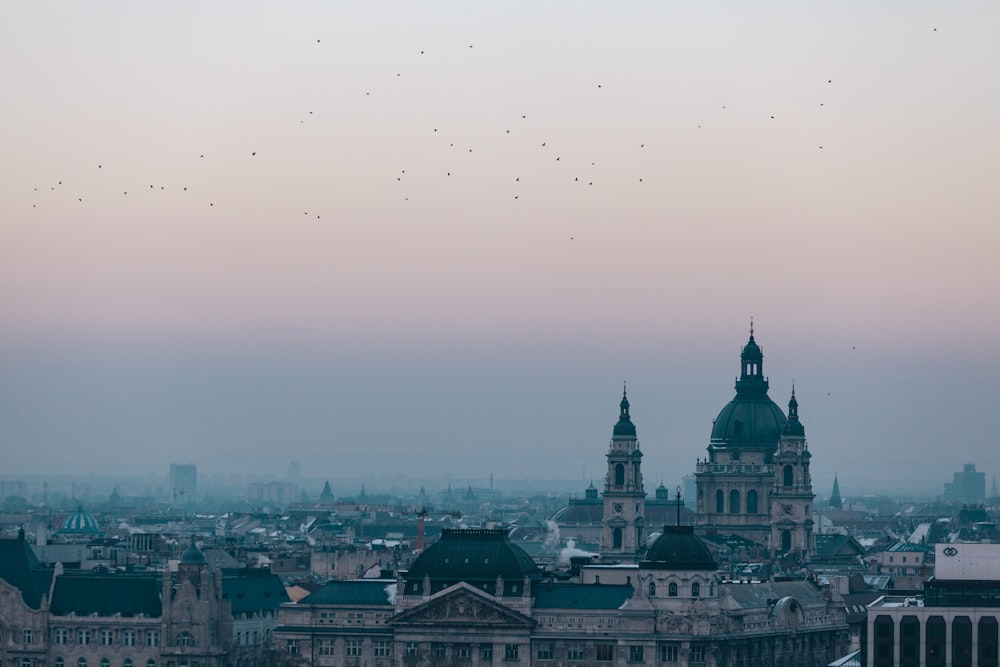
pixel 475 598
pixel 954 624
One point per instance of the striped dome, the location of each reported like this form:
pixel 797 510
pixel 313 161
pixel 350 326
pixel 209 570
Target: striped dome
pixel 80 522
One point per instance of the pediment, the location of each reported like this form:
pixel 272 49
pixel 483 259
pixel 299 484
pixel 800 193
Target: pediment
pixel 464 605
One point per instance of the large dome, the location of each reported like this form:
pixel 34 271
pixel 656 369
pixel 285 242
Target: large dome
pixel 678 548
pixel 476 556
pixel 751 419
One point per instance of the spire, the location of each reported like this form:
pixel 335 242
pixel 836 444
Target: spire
pixel 624 427
pixel 835 500
pixel 793 426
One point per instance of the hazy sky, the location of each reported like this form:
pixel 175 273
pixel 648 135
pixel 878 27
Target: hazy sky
pixel 435 238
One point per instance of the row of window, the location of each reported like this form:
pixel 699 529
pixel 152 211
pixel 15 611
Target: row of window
pixel 381 648
pixel 105 662
pixel 105 637
pixel 672 589
pixel 603 651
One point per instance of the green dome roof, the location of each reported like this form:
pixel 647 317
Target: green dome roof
pixel 477 557
pixel 80 522
pixel 678 548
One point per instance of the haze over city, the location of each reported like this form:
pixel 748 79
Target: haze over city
pixel 436 240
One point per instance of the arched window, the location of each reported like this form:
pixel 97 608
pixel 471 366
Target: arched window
pixel 82 662
pixel 751 502
pixel 786 540
pixel 734 502
pixel 620 475
pixel 127 662
pixel 105 662
pixel 789 476
pixel 720 501
pixel 150 663
pixel 60 662
pixel 672 589
pixel 695 589
pixel 616 538
pixel 652 589
pixel 185 639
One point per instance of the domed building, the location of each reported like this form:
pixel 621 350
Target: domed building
pixel 743 489
pixel 80 524
pixel 486 559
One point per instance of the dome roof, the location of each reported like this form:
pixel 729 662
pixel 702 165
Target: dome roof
pixel 624 428
pixel 80 522
pixel 751 419
pixel 192 555
pixel 476 556
pixel 678 548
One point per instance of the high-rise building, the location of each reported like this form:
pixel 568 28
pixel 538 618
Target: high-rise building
pixel 183 483
pixel 967 485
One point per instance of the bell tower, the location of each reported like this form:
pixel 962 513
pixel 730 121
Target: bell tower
pixel 792 495
pixel 624 530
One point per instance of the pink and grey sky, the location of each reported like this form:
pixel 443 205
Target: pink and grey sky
pixel 435 238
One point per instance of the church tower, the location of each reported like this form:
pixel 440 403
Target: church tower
pixel 736 479
pixel 792 495
pixel 835 500
pixel 624 498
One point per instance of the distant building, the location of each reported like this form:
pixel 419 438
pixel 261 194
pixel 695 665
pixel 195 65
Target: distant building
pixel 755 482
pixel 183 483
pixel 835 500
pixel 967 485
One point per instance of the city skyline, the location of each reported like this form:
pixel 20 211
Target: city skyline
pixel 439 239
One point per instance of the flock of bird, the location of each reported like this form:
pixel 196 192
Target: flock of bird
pixel 576 172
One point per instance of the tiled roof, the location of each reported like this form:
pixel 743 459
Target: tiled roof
pixel 359 591
pixel 755 596
pixel 254 591
pixel 17 567
pixel 103 594
pixel 581 596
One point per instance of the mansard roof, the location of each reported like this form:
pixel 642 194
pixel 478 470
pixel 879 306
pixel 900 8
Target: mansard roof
pixel 86 593
pixel 581 596
pixel 254 590
pixel 356 592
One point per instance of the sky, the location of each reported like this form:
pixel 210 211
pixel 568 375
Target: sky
pixel 436 238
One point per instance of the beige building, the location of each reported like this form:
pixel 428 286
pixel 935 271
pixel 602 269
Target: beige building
pixel 475 598
pixel 97 619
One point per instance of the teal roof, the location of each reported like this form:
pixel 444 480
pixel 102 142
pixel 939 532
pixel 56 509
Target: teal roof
pixel 476 556
pixel 254 591
pixel 581 596
pixel 80 522
pixel 18 567
pixel 355 592
pixel 103 594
